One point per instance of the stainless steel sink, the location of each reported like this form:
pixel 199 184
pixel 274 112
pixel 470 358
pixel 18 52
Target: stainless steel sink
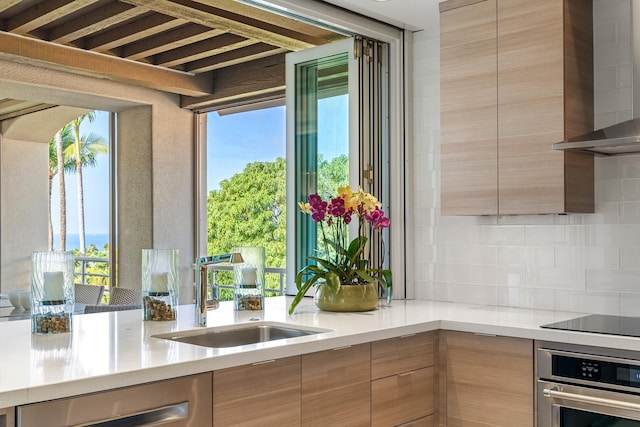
pixel 244 334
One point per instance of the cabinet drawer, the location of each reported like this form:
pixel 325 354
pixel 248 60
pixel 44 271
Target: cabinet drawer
pixel 348 406
pixel 402 398
pixel 402 354
pixel 259 394
pixel 335 368
pixel 179 402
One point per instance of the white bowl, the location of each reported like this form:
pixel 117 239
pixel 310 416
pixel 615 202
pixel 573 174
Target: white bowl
pixel 14 299
pixel 25 299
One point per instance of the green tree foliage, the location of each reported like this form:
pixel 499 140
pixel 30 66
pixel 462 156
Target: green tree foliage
pixel 249 209
pixel 94 267
pixel 332 175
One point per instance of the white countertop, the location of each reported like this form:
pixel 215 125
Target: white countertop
pixel 116 349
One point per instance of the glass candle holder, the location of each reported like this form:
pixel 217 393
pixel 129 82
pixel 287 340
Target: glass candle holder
pixel 52 292
pixel 160 284
pixel 249 278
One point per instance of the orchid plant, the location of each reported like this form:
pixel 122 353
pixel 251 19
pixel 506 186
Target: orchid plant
pixel 342 262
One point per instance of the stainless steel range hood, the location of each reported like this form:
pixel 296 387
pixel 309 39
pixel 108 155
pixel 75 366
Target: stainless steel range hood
pixel 624 137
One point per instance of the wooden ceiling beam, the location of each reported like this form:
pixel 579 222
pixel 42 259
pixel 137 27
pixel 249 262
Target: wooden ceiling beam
pixel 94 21
pixel 7 4
pixel 249 79
pixel 219 44
pixel 23 49
pixel 233 57
pixel 131 32
pixel 229 22
pixel 168 40
pixel 43 13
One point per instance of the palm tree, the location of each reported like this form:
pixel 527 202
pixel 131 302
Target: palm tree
pixel 61 140
pixel 83 152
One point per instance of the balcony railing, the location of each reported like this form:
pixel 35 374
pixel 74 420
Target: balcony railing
pixel 82 275
pixel 280 271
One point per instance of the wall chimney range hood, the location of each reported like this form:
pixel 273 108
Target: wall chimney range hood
pixel 622 138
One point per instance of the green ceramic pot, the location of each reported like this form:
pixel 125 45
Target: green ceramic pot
pixel 348 298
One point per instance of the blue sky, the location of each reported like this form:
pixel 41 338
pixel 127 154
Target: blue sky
pixel 233 141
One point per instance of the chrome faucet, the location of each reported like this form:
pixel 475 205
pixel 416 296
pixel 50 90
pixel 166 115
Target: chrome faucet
pixel 203 303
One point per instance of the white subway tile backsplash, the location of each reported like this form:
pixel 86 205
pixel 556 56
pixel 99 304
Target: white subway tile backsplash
pixel 630 259
pixel 543 299
pixel 498 275
pixel 613 235
pixel 587 302
pixel 613 280
pixel 630 213
pixel 497 235
pixel 556 278
pixel 526 256
pixel 630 304
pixel 554 235
pixel 473 294
pixel 627 166
pixel 596 257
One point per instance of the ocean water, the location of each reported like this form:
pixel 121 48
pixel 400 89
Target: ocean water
pixel 73 240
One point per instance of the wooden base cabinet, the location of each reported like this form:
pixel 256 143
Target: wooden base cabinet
pixel 487 380
pixel 261 394
pixel 178 402
pixel 402 386
pixel 336 387
pixel 516 77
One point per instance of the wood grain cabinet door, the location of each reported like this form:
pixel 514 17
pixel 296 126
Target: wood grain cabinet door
pixel 468 110
pixel 545 94
pixel 261 394
pixel 489 380
pixel 336 387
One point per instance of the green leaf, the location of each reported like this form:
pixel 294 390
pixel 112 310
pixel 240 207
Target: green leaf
pixel 301 291
pixel 332 281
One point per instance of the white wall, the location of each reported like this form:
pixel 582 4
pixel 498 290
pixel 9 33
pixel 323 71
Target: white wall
pixel 587 262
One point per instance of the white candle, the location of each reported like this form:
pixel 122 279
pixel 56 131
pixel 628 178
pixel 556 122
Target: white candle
pixel 249 276
pixel 159 282
pixel 53 286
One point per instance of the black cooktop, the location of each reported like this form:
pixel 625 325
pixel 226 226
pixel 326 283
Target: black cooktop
pixel 601 324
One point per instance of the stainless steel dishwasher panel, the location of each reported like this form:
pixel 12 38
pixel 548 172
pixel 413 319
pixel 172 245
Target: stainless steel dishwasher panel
pixel 180 402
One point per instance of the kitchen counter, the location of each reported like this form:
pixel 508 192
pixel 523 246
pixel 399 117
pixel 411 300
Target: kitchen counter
pixel 116 349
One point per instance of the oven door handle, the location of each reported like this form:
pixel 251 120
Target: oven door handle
pixel 555 393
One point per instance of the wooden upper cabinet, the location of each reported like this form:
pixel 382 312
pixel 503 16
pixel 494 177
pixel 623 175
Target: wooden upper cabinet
pixel 543 90
pixel 468 110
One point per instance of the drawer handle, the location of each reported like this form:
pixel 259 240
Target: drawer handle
pixel 152 417
pixel 263 362
pixel 406 374
pixel 344 347
pixel 408 336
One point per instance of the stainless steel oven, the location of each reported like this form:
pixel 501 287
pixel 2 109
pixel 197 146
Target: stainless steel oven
pixel 587 387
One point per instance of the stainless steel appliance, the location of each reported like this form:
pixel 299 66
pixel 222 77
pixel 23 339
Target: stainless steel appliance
pixel 581 386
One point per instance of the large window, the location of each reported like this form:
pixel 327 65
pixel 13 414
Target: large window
pixel 246 200
pixel 349 107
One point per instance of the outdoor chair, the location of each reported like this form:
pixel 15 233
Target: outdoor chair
pixel 88 294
